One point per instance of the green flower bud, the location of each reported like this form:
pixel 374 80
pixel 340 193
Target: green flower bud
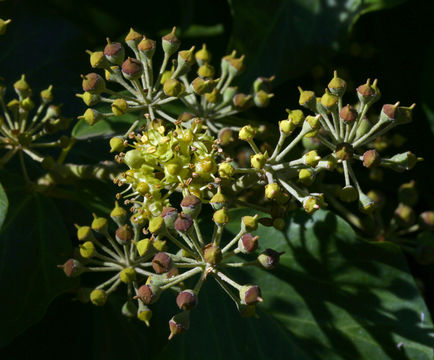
pixel 47 95
pixel 93 83
pixel 132 69
pixel 249 223
pixel 364 126
pixel 27 104
pixel 127 275
pixel 89 99
pixel 258 161
pixel 185 60
pixel 226 170
pixel 129 309
pixel 191 205
pixel 156 225
pixel 179 324
pixel 344 151
pixel 250 294
pixel 404 215
pixel 183 223
pixel 348 114
pixel 311 125
pixel 312 203
pixel 247 133
pixel 173 87
pixel 87 249
pixel 72 268
pixel 117 144
pixel 203 56
pixel 170 43
pixel 206 71
pixel 161 262
pixel 144 246
pixel 119 214
pixel 229 93
pixel 368 93
pixel 134 159
pixel 366 204
pixel 97 59
pixel 186 300
pixel 311 158
pixel 144 314
pixel 221 217
pixel 236 65
pixel 201 86
pixel 263 83
pixel 426 220
pixel 133 38
pixel 348 194
pixel 84 233
pixel 124 234
pixel 401 162
pixel 287 126
pixel 213 97
pixel 269 259
pixel 242 101
pixel 389 112
pixel 147 47
pixel 91 116
pixel 272 191
pixel 98 297
pixel 329 101
pixel 149 293
pixel 212 254
pixel 404 115
pixel 371 158
pixel 99 224
pixel 119 107
pixel 295 116
pixel 169 214
pixel 307 99
pixel 262 99
pixel 337 85
pixel 248 243
pixel 306 176
pixel 218 201
pixel 3 25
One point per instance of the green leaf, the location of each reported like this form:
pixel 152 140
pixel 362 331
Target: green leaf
pixel 284 38
pixel 33 242
pixel 332 297
pixel 3 205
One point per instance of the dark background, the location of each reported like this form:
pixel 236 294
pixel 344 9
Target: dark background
pixel 47 40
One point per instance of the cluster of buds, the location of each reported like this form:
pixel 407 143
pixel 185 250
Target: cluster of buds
pixel 347 136
pixel 162 161
pixel 173 252
pixel 206 96
pixel 23 125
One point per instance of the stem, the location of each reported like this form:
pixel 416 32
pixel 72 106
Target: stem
pixel 177 279
pixel 227 279
pixel 233 241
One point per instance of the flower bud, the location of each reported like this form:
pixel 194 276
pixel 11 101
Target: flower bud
pixel 97 59
pixel 144 314
pixel 119 107
pixel 186 300
pixel 348 194
pixel 156 225
pixel 134 159
pixel 47 95
pixel 212 254
pixel 213 97
pixel 248 243
pixel 250 294
pixel 161 263
pixel 99 224
pixel 185 60
pixel 147 47
pixel 242 101
pixel 179 324
pixel 114 52
pixel 225 136
pixel 272 191
pixel 119 214
pixel 367 93
pixel 173 87
pixel 401 162
pixel 249 223
pixel 263 83
pixel 389 112
pixel 72 268
pixel 170 43
pixel 306 176
pixel 124 234
pixel 287 126
pixel 91 116
pixel 262 99
pixel 98 297
pixel 93 83
pixel 247 133
pixel 348 114
pixel 269 259
pixel 87 249
pixel 311 124
pixel 169 214
pixel 191 205
pixel 426 220
pixel 201 86
pixel 221 217
pixel 129 309
pixel 329 101
pixel 344 151
pixel 116 144
pixel 312 203
pixel 132 69
pixel 258 161
pixel 364 126
pixel 84 233
pixel 3 25
pixel 371 158
pixel 206 71
pixel 337 85
pixel 22 88
pixel 307 99
pixel 366 204
pixel 226 170
pixel 183 223
pixel 149 294
pixel 236 65
pixel 127 275
pixel 405 215
pixel 133 38
pixel 144 247
pixel 311 158
pixel 202 56
pixel 89 99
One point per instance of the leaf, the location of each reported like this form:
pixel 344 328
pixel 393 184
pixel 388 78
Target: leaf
pixel 333 297
pixel 33 242
pixel 285 38
pixel 3 205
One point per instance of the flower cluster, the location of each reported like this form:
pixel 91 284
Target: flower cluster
pixel 173 252
pixel 146 90
pixel 347 135
pixel 23 126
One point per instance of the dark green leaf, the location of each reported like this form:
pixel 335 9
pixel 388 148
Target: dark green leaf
pixel 284 38
pixel 3 205
pixel 33 242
